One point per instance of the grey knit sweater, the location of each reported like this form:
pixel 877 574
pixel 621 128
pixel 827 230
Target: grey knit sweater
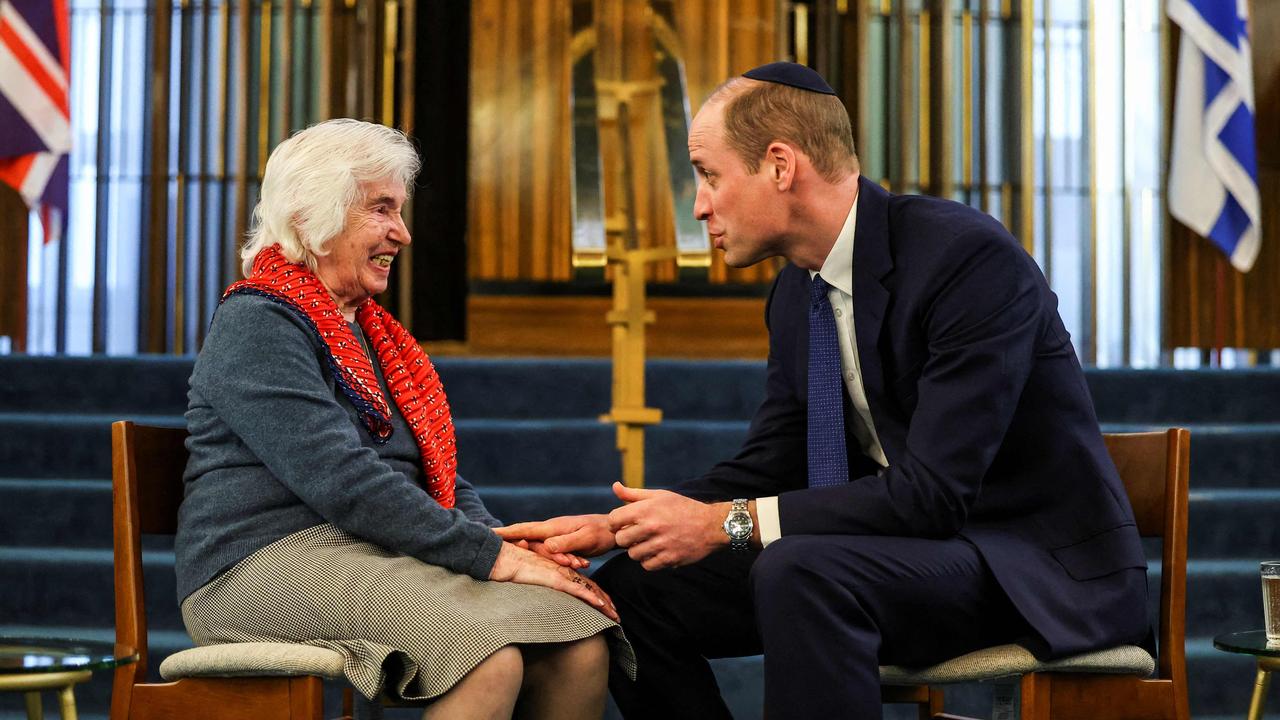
pixel 276 448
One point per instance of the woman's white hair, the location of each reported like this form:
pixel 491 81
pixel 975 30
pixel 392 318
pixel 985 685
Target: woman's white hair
pixel 313 179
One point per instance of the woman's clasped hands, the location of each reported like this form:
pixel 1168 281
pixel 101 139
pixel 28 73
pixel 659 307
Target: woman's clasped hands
pixel 518 563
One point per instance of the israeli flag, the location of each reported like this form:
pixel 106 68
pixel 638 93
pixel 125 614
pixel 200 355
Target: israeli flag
pixel 1213 174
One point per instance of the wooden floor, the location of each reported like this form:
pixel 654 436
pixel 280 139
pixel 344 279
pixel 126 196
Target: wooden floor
pixel 575 326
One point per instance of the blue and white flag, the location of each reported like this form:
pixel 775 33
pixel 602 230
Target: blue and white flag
pixel 1213 174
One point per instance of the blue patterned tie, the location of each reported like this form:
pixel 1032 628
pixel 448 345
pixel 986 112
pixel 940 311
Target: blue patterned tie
pixel 828 461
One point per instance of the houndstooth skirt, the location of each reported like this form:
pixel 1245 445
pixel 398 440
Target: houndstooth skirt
pixel 402 625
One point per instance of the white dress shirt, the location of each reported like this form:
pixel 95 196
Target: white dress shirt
pixel 837 271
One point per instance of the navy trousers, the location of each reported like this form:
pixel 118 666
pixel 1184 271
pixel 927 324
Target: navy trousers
pixel 826 611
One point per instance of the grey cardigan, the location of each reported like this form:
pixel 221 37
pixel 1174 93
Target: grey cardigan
pixel 276 448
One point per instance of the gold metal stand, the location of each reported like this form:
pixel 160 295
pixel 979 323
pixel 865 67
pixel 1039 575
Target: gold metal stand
pixel 629 315
pixel 32 683
pixel 1266 665
pixel 628 319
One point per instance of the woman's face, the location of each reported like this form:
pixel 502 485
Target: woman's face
pixel 358 264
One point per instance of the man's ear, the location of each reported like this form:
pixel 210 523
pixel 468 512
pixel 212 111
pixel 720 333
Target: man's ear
pixel 780 163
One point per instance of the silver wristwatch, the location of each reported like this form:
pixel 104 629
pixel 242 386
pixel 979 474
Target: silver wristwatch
pixel 738 526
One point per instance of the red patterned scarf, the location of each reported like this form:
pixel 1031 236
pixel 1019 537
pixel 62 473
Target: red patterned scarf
pixel 412 378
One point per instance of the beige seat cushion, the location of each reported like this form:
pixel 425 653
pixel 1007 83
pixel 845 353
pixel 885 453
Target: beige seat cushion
pixel 1011 660
pixel 252 659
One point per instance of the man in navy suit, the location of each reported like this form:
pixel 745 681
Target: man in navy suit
pixel 926 475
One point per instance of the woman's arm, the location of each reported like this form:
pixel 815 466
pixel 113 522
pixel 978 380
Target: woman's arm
pixel 261 372
pixel 467 500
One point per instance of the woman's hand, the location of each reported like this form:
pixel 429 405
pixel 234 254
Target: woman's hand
pixel 518 565
pixel 568 560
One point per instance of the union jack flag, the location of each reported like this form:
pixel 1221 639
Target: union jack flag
pixel 35 107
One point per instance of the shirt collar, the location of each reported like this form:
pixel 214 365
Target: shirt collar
pixel 837 269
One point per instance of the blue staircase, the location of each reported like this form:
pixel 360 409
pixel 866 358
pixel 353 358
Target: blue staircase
pixel 529 438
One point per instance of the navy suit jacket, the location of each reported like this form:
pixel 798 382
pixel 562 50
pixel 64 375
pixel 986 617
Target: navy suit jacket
pixel 983 413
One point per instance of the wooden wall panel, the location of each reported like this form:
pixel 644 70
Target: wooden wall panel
pixel 518 203
pixel 13 267
pixel 520 225
pixel 571 326
pixel 1208 303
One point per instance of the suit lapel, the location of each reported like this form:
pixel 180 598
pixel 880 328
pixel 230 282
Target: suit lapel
pixel 871 262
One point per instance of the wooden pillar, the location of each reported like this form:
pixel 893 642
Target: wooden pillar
pixel 13 267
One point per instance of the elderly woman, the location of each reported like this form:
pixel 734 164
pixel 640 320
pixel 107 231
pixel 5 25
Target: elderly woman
pixel 322 501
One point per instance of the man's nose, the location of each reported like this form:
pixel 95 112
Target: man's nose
pixel 701 204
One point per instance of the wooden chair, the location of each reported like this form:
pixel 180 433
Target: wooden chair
pixel 1154 467
pixel 239 681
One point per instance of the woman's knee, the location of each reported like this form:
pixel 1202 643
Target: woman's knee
pixel 587 655
pixel 579 658
pixel 504 668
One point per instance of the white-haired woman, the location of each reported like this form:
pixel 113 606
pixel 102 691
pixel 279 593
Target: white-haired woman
pixel 322 502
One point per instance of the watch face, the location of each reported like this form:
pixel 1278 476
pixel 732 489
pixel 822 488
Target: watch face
pixel 738 525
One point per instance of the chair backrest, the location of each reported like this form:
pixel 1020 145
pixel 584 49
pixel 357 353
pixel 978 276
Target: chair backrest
pixel 1155 469
pixel 146 488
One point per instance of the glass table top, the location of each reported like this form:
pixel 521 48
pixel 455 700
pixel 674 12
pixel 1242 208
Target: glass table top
pixel 21 655
pixel 1250 642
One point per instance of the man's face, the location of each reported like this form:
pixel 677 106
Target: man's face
pixel 358 264
pixel 743 211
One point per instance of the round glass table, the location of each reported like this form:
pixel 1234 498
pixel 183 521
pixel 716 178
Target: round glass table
pixel 1254 642
pixel 29 665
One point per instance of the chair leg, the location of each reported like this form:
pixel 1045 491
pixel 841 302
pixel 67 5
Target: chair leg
pixel 348 708
pixel 35 709
pixel 1035 696
pixel 306 698
pixel 67 702
pixel 934 707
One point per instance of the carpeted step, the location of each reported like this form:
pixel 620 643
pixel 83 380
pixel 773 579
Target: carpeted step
pixel 1171 397
pixel 77 513
pixel 45 586
pixel 1220 684
pixel 59 586
pixel 64 445
pixel 55 512
pixel 1230 522
pixel 581 451
pixel 490 452
pixel 477 387
pixel 529 437
pixel 75 587
pixel 94 384
pixel 1223 596
pixel 575 452
pixel 558 387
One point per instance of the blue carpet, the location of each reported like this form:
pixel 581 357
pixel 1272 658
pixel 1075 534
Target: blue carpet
pixel 529 438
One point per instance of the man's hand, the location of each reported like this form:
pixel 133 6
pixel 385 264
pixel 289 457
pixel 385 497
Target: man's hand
pixel 587 535
pixel 662 529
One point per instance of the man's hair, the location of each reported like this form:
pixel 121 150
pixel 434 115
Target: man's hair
pixel 313 179
pixel 757 113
